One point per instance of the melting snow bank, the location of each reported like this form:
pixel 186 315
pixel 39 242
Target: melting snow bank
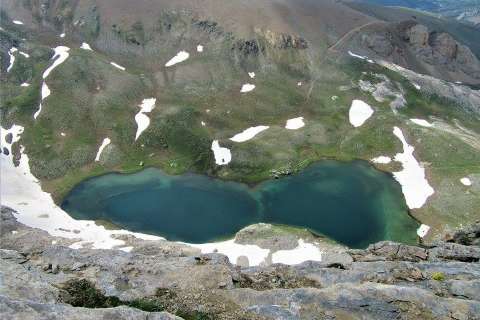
pixel 256 255
pixel 143 121
pixel 360 57
pixel 423 230
pixel 180 57
pixel 223 156
pixel 105 143
pixel 295 123
pixel 233 251
pixel 247 88
pixel 61 54
pixel 421 122
pixel 359 113
pixel 248 133
pixel 466 181
pixel 45 93
pixel 415 186
pixel 303 252
pixel 21 191
pixel 382 160
pixel 117 66
pixel 12 58
pixel 86 46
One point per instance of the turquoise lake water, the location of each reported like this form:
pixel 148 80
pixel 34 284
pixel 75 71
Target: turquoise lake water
pixel 352 203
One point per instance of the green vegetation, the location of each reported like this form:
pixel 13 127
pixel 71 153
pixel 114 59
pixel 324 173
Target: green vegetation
pixel 83 293
pixel 438 276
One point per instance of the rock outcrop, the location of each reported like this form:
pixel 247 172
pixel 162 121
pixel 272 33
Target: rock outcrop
pixel 41 280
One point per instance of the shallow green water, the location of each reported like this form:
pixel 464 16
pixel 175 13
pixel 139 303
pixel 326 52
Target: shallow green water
pixel 351 203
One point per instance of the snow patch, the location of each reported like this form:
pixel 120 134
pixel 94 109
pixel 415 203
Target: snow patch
pixel 17 22
pixel 62 35
pixel 423 230
pixel 359 113
pixel 180 57
pixel 251 74
pixel 143 121
pixel 303 252
pixel 466 181
pixel 247 87
pixel 299 83
pixel 295 123
pixel 199 48
pixel 382 160
pixel 117 66
pixel 12 58
pixel 248 134
pixel 61 54
pixel 233 251
pixel 412 178
pixel 421 122
pixel 86 46
pixel 26 55
pixel 45 93
pixel 25 84
pixel 223 156
pixel 105 143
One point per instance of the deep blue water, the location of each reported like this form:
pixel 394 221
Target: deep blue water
pixel 352 203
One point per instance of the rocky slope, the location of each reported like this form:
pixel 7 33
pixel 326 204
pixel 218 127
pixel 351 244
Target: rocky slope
pixel 43 279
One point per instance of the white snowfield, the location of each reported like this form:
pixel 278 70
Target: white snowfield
pixel 35 208
pixel 295 123
pixel 382 160
pixel 248 134
pixel 415 186
pixel 303 252
pixel 360 57
pixel 61 54
pixel 233 251
pixel 12 58
pixel 25 84
pixel 62 35
pixel 256 255
pixel 199 48
pixel 26 55
pixel 223 156
pixel 423 230
pixel 117 66
pixel 247 87
pixel 17 22
pixel 45 93
pixel 105 143
pixel 466 181
pixel 86 46
pixel 359 113
pixel 421 122
pixel 180 57
pixel 251 74
pixel 142 120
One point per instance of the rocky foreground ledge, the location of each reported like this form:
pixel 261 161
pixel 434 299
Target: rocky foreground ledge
pixel 41 278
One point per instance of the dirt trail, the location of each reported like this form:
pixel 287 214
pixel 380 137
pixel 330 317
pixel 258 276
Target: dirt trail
pixel 350 34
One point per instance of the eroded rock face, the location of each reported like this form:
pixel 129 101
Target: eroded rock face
pixel 414 46
pixel 387 280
